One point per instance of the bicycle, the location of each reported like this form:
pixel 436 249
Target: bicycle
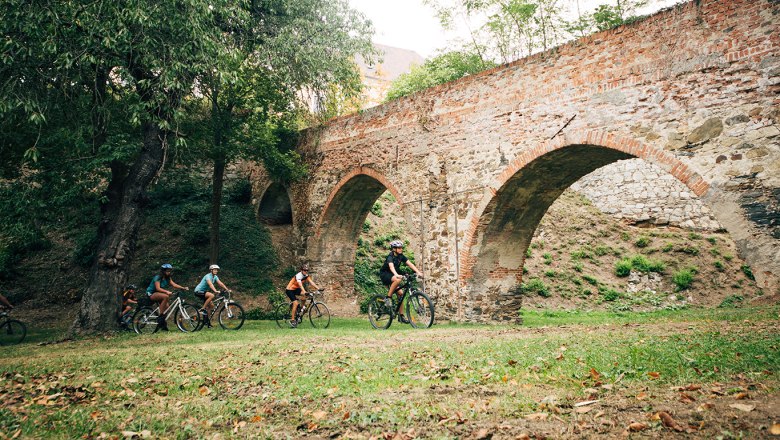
pixel 319 314
pixel 12 331
pixel 419 307
pixel 230 314
pixel 185 315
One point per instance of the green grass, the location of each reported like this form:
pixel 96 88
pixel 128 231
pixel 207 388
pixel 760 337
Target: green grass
pixel 267 382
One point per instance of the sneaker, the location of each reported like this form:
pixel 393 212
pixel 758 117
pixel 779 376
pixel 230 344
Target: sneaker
pixel 389 303
pixel 293 323
pixel 402 318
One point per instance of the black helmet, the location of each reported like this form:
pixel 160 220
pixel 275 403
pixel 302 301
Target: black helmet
pixel 305 266
pixel 130 287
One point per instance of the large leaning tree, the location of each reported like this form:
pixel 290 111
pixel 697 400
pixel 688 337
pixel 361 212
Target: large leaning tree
pixel 146 58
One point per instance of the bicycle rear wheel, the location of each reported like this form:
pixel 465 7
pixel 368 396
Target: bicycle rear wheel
pixel 282 315
pixel 144 320
pixel 419 310
pixel 378 314
pixel 187 318
pixel 319 315
pixel 231 316
pixel 12 332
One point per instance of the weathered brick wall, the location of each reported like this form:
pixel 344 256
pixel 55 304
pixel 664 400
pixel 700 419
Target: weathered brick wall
pixel 639 192
pixel 475 163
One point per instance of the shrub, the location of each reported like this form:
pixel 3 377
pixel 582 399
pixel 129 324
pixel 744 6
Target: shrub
pixel 547 258
pixel 623 267
pixel 642 241
pixel 694 236
pixel 550 273
pixel 240 192
pixel 668 247
pixel 580 254
pixel 535 285
pixel 590 279
pixel 688 249
pixel 719 266
pixel 748 272
pixel 578 266
pixel 683 278
pixel 376 209
pixel 601 250
pixel 732 301
pixel 728 257
pixel 610 294
pixel 712 240
pixel 625 236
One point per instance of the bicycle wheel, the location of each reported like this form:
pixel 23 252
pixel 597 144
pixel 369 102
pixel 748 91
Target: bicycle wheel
pixel 145 320
pixel 12 332
pixel 282 315
pixel 319 315
pixel 231 316
pixel 419 310
pixel 378 314
pixel 187 318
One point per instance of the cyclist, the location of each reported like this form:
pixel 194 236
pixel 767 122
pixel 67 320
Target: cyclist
pixel 296 291
pixel 390 276
pixel 206 291
pixel 128 299
pixel 157 292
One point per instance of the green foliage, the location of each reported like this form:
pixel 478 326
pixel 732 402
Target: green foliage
pixel 590 279
pixel 600 251
pixel 550 273
pixel 642 241
pixel 85 247
pixel 625 236
pixel 719 265
pixel 687 249
pixel 535 286
pixel 547 258
pixel 240 192
pixel 376 209
pixel 668 247
pixel 748 272
pixel 609 294
pixel 683 278
pixel 731 301
pixel 712 240
pixel 440 69
pixel 578 266
pixel 638 262
pixel 695 236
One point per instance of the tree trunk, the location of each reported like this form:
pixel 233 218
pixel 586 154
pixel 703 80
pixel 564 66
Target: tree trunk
pixel 216 208
pixel 121 218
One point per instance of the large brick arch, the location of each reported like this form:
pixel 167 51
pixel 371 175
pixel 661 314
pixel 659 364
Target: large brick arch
pixel 517 199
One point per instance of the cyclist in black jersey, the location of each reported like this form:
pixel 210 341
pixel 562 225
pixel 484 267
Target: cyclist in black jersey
pixel 390 276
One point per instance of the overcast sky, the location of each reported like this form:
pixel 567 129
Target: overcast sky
pixel 409 24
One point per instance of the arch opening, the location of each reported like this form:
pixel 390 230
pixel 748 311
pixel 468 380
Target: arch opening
pixel 275 207
pixel 574 252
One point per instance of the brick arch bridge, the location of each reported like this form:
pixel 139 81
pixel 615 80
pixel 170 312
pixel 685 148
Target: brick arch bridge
pixel 476 163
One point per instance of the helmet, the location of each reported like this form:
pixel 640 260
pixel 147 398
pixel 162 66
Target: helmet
pixel 130 287
pixel 396 244
pixel 166 266
pixel 304 267
pixel 213 266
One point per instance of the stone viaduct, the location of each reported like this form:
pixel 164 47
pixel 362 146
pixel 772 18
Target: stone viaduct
pixel 475 163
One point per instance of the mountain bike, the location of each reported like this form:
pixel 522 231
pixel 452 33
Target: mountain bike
pixel 229 313
pixel 419 307
pixel 185 316
pixel 319 315
pixel 12 331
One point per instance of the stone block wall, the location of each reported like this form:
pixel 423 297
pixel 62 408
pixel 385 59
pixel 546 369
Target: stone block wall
pixel 642 193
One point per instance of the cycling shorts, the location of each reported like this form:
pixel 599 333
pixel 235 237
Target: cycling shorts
pixel 293 294
pixel 387 278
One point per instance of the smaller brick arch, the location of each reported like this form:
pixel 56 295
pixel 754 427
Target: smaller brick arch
pixel 275 207
pixel 517 199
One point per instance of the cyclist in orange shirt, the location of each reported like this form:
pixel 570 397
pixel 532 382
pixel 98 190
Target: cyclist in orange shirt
pixel 296 290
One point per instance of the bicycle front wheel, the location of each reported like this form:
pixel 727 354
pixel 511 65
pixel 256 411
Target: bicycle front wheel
pixel 12 332
pixel 187 318
pixel 319 315
pixel 378 314
pixel 419 310
pixel 282 315
pixel 144 320
pixel 231 316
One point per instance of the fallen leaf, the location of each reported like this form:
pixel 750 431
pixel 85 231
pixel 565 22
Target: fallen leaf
pixel 585 403
pixel 742 396
pixel 256 419
pixel 482 434
pixel 705 406
pixel 775 429
pixel 742 407
pixel 686 398
pixel 319 414
pixel 641 396
pixel 689 388
pixel 594 374
pixel 204 390
pixel 537 416
pixel 583 409
pixel 638 426
pixel 654 374
pixel 669 422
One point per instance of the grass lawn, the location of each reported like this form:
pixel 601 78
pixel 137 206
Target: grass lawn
pixel 692 373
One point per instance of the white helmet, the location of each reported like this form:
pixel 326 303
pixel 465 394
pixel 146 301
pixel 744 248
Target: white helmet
pixel 396 244
pixel 213 266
